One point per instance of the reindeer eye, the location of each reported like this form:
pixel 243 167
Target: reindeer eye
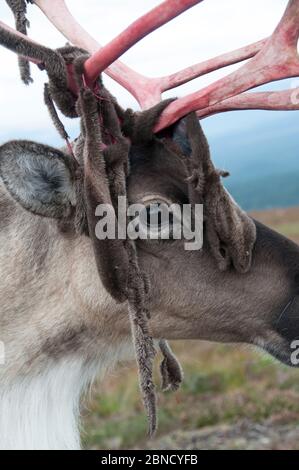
pixel 157 215
pixel 156 218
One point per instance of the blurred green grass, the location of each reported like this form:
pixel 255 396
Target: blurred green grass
pixel 222 384
pixel 290 229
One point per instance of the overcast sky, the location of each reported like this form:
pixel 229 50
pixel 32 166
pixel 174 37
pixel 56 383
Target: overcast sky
pixel 208 29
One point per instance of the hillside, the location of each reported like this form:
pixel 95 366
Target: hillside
pixel 261 151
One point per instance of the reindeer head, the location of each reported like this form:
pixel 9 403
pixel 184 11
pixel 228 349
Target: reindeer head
pixel 242 286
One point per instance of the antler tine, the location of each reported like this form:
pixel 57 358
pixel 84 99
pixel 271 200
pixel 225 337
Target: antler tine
pixel 278 59
pixel 26 38
pixel 143 26
pixel 156 86
pixel 286 100
pixel 194 71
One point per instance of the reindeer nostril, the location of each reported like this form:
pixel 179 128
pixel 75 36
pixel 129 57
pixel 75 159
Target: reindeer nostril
pixel 287 322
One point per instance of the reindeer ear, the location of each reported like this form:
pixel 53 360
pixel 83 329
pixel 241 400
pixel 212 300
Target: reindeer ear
pixel 39 177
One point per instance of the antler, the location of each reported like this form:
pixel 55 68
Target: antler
pixel 272 59
pixel 147 91
pixel 144 89
pixel 286 100
pixel 277 59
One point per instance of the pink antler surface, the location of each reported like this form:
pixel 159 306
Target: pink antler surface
pixel 271 59
pixel 183 76
pixel 147 91
pixel 286 100
pixel 144 89
pixel 147 23
pixel 278 59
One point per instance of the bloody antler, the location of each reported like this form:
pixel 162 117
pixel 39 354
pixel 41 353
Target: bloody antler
pixel 147 23
pixel 183 76
pixel 147 91
pixel 272 59
pixel 286 100
pixel 144 89
pixel 278 59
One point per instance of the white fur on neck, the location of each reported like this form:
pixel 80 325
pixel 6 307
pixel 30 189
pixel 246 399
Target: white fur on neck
pixel 42 411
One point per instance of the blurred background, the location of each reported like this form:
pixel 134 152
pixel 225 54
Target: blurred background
pixel 232 397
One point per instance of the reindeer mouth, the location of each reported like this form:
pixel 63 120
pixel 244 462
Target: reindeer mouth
pixel 285 352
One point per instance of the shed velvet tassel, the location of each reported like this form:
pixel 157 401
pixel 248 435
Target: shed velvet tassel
pixel 19 9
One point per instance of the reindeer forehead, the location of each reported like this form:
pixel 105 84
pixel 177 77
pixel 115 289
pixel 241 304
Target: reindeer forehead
pixel 156 169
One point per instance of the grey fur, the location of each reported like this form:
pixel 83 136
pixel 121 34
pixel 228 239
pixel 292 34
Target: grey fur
pixel 39 177
pixel 50 59
pixel 53 61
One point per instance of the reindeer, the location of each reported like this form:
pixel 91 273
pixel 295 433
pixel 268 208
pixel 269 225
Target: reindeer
pixel 65 292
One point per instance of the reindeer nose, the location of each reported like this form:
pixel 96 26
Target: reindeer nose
pixel 287 321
